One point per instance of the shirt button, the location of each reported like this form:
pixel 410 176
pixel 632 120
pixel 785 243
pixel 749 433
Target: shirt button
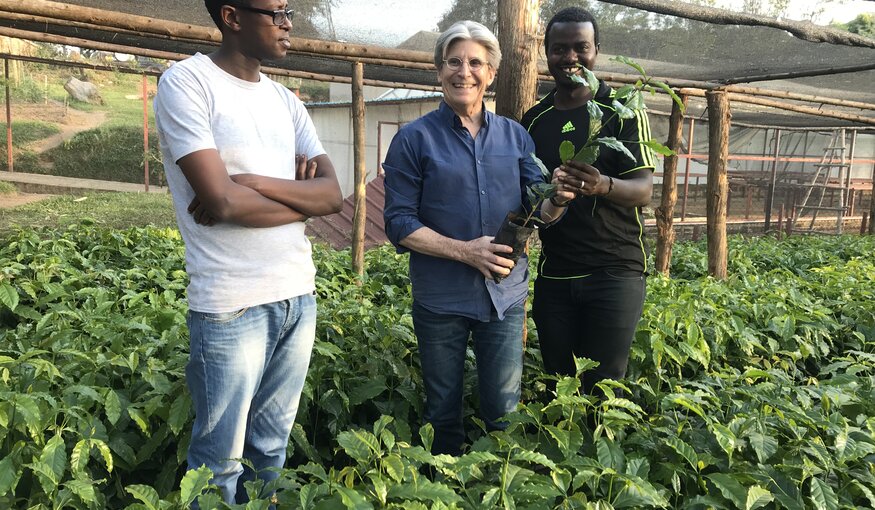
pixel 482 191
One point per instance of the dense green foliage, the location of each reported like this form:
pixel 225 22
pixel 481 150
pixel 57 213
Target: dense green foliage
pixel 756 392
pixel 108 153
pixel 23 133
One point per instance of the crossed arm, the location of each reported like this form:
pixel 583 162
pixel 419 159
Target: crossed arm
pixel 258 201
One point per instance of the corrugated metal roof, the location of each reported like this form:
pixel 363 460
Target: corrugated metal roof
pixel 336 229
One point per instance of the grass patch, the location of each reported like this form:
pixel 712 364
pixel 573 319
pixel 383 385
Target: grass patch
pixel 7 188
pixel 114 210
pixel 107 153
pixel 25 132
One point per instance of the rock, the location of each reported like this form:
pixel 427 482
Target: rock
pixel 83 91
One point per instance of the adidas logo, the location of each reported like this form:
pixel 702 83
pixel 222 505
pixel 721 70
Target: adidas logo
pixel 568 127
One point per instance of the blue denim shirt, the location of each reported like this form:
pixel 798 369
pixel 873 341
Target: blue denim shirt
pixel 438 176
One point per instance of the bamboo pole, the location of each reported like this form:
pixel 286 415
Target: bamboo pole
pixel 743 98
pixel 665 212
pixel 872 205
pixel 687 170
pixel 517 84
pixel 146 133
pixel 9 159
pixel 358 127
pixel 770 199
pixel 85 43
pixel 718 184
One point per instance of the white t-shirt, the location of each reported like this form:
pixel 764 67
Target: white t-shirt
pixel 256 128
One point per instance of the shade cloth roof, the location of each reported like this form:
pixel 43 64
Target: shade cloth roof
pixel 667 46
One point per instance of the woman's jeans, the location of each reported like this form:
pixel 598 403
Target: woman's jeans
pixel 245 374
pixel 443 343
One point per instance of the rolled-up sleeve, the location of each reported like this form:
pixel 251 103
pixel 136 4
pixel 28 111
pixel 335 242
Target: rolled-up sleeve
pixel 403 186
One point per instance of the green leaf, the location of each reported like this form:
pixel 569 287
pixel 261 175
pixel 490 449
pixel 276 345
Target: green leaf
pixel 105 453
pixel 193 484
pixel 367 390
pixel 394 466
pixel 179 413
pixel 724 436
pixel 587 154
pixel 657 147
pixel 730 488
pixel 426 434
pixel 684 450
pixel 534 458
pixel 146 494
pixel 631 63
pixel 54 455
pixel 764 446
pixel 822 495
pixel 609 454
pixel 591 80
pixel 545 172
pixel 353 500
pixel 425 490
pixel 566 151
pixel 617 145
pixel 112 406
pixel 9 475
pixel 624 91
pixel 757 497
pixel 567 386
pixel 622 111
pixel 83 489
pixel 8 296
pixel 79 456
pixel 668 90
pixel 361 445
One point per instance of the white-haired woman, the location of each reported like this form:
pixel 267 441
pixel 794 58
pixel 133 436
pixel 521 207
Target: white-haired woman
pixel 451 177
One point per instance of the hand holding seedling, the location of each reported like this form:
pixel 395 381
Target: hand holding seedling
pixel 484 255
pixel 576 178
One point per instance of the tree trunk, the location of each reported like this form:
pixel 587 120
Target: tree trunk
pixel 665 212
pixel 517 82
pixel 358 128
pixel 718 182
pixel 872 205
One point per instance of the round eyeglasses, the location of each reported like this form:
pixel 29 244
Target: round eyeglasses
pixel 455 63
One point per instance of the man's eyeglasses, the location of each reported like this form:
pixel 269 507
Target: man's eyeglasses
pixel 455 63
pixel 279 16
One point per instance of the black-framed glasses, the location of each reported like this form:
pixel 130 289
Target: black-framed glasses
pixel 455 63
pixel 279 16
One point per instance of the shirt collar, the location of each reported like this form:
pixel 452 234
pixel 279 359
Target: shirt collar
pixel 449 116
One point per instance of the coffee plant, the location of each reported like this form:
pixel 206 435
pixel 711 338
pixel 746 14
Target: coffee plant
pixel 754 392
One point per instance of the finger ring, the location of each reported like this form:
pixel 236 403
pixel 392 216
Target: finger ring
pixel 582 185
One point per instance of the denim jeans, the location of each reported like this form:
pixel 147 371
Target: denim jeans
pixel 443 342
pixel 593 317
pixel 245 374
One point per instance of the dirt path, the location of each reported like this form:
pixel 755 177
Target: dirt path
pixel 16 199
pixel 74 122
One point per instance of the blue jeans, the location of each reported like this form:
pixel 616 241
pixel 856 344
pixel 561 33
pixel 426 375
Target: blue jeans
pixel 245 374
pixel 443 342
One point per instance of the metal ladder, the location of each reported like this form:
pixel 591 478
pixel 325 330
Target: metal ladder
pixel 833 168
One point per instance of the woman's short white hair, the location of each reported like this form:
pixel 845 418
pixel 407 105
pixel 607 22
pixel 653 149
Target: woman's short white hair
pixel 468 30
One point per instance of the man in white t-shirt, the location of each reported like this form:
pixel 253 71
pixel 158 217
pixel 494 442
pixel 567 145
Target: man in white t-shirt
pixel 245 169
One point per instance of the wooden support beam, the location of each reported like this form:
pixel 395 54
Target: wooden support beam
pixel 872 205
pixel 718 183
pixel 665 212
pixel 146 132
pixel 818 112
pixel 517 84
pixel 358 129
pixel 10 167
pixel 770 199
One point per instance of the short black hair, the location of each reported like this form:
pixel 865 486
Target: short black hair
pixel 572 15
pixel 214 7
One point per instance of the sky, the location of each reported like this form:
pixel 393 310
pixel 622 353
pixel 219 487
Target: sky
pixel 389 22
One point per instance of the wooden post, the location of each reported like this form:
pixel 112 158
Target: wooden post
pixel 517 83
pixel 718 183
pixel 665 212
pixel 863 226
pixel 9 158
pixel 358 128
pixel 872 205
pixel 770 199
pixel 749 198
pixel 146 133
pixel 687 171
pixel 780 229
